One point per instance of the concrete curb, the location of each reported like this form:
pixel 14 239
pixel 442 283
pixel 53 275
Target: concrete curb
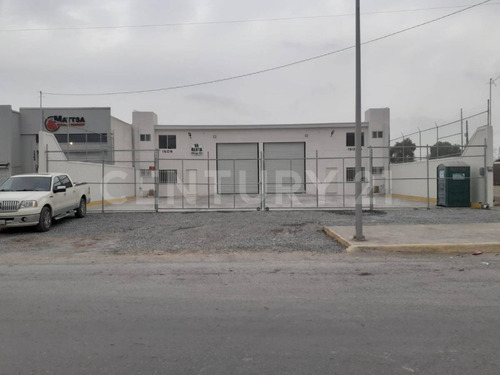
pixel 353 245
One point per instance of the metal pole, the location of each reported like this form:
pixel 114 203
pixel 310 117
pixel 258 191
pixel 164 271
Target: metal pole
pixel 466 132
pixel 462 130
pixel 358 190
pixel 264 173
pixel 403 142
pixel 182 183
pixel 437 140
pixel 290 177
pixel 261 162
pixel 46 157
pixel 317 181
pixel 234 184
pixel 102 187
pixel 343 182
pixel 208 178
pixel 420 142
pixel 157 178
pixel 428 187
pixel 371 178
pixel 485 174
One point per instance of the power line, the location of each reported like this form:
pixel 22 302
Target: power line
pixel 272 68
pixel 143 26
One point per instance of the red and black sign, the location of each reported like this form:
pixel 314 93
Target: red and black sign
pixel 53 123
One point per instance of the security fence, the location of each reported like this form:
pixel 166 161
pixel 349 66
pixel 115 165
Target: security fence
pixel 154 180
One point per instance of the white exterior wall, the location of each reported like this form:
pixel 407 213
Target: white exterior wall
pixel 118 180
pixel 122 140
pixel 331 148
pixel 9 142
pixel 473 156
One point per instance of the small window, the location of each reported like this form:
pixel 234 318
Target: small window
pixel 145 173
pixel 350 173
pixel 167 141
pixel 377 134
pixel 377 170
pixel 350 139
pixel 57 182
pixel 65 181
pixel 145 137
pixel 168 176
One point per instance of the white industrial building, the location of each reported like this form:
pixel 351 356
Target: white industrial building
pixel 293 156
pixel 225 166
pixel 204 159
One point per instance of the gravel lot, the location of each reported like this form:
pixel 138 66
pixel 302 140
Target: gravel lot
pixel 214 232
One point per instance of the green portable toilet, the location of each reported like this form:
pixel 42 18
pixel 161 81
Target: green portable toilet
pixel 453 184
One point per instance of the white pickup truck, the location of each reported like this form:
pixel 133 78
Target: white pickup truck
pixel 37 199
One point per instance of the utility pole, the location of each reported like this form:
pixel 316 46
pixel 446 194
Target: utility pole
pixel 358 174
pixel 492 82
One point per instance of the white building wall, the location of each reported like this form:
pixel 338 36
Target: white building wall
pixel 118 180
pixel 327 141
pixel 122 140
pixel 409 179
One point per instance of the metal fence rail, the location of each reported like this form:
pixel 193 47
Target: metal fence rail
pixel 163 183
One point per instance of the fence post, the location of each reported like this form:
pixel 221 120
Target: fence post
pixel 317 182
pixel 291 187
pixel 261 181
pixel 182 184
pixel 208 178
pixel 343 182
pixel 234 183
pixel 264 173
pixel 47 158
pixel 485 175
pixel 102 188
pixel 371 178
pixel 428 191
pixel 461 130
pixel 157 177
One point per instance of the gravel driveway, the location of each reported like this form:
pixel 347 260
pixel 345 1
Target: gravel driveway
pixel 214 232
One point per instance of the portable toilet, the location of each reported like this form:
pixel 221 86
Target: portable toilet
pixel 453 184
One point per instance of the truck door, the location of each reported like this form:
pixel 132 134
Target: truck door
pixel 58 199
pixel 71 201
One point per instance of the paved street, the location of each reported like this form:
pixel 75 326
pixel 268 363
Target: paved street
pixel 258 313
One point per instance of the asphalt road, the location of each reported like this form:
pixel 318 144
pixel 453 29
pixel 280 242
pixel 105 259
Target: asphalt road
pixel 254 314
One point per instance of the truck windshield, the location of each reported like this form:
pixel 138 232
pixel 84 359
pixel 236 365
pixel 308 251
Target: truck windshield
pixel 26 183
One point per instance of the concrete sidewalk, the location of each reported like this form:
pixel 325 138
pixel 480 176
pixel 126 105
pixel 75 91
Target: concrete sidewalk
pixel 443 238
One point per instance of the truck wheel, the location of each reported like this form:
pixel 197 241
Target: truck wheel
pixel 81 211
pixel 45 220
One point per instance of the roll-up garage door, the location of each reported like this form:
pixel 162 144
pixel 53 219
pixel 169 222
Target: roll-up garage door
pixel 238 168
pixel 285 167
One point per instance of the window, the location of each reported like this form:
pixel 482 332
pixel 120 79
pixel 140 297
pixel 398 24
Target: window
pixel 65 181
pixel 377 134
pixel 350 138
pixel 82 138
pixel 145 137
pixel 167 141
pixel 168 176
pixel 145 173
pixel 377 170
pixel 350 173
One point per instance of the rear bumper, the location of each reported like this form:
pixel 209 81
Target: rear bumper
pixel 18 220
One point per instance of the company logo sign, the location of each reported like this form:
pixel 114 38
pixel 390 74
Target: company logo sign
pixel 53 123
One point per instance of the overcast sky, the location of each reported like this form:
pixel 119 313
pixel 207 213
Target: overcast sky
pixel 425 76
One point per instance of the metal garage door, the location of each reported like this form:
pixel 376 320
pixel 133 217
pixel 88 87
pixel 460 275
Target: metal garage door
pixel 285 167
pixel 237 168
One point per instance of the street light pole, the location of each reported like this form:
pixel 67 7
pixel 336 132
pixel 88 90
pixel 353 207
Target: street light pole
pixel 358 174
